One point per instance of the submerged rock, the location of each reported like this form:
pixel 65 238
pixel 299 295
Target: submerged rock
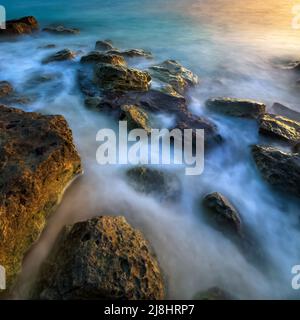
pixel 136 118
pixel 37 160
pixel 21 26
pixel 280 169
pixel 121 78
pixel 62 55
pixel 284 111
pixel 280 127
pixel 174 74
pixel 5 89
pixel 61 30
pixel 48 46
pixel 214 293
pixel 237 107
pixel 103 258
pixel 103 45
pixel 96 57
pixel 163 185
pixel 223 213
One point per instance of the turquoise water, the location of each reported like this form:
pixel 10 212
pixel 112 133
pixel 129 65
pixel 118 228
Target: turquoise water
pixel 231 50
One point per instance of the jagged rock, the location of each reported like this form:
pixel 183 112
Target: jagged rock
pixel 163 185
pixel 120 78
pixel 136 118
pixel 103 45
pixel 97 57
pixel 280 127
pixel 21 26
pixel 280 169
pixel 174 74
pixel 223 213
pixel 237 107
pixel 62 55
pixel 284 111
pixel 132 53
pixel 103 258
pixel 214 293
pixel 5 89
pixel 61 30
pixel 37 161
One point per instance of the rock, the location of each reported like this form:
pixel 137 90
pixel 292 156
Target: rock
pixel 280 127
pixel 120 78
pixel 37 160
pixel 92 102
pixel 132 53
pixel 136 118
pixel 296 148
pixel 5 89
pixel 280 169
pixel 174 74
pixel 61 30
pixel 162 185
pixel 237 107
pixel 103 258
pixel 47 46
pixel 96 57
pixel 284 111
pixel 223 213
pixel 21 26
pixel 103 46
pixel 62 55
pixel 214 293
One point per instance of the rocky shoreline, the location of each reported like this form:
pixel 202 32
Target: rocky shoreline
pixel 105 258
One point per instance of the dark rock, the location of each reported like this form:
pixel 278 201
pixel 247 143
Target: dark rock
pixel 61 30
pixel 62 55
pixel 136 118
pixel 92 102
pixel 120 78
pixel 280 169
pixel 174 74
pixel 280 127
pixel 163 185
pixel 103 258
pixel 284 111
pixel 132 53
pixel 237 107
pixel 26 25
pixel 5 89
pixel 103 46
pixel 37 160
pixel 214 293
pixel 47 46
pixel 296 148
pixel 99 57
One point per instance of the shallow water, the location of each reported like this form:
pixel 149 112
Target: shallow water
pixel 230 46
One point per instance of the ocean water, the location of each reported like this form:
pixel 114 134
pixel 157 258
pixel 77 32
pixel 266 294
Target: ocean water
pixel 231 46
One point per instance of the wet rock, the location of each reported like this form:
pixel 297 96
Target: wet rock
pixel 99 57
pixel 280 169
pixel 37 160
pixel 237 107
pixel 174 74
pixel 162 185
pixel 92 102
pixel 120 78
pixel 5 89
pixel 25 25
pixel 284 111
pixel 280 127
pixel 136 118
pixel 103 45
pixel 223 213
pixel 62 55
pixel 86 83
pixel 103 258
pixel 132 53
pixel 61 30
pixel 214 293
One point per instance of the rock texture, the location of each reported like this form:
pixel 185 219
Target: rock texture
pixel 62 55
pixel 5 89
pixel 25 25
pixel 97 57
pixel 103 258
pixel 237 107
pixel 136 118
pixel 61 30
pixel 280 127
pixel 132 53
pixel 37 161
pixel 280 169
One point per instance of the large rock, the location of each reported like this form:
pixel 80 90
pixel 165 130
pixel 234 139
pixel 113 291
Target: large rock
pixel 103 45
pixel 62 55
pixel 284 111
pixel 174 74
pixel 37 161
pixel 280 169
pixel 5 89
pixel 132 53
pixel 61 30
pixel 103 258
pixel 136 118
pixel 21 26
pixel 280 127
pixel 97 57
pixel 121 78
pixel 237 107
